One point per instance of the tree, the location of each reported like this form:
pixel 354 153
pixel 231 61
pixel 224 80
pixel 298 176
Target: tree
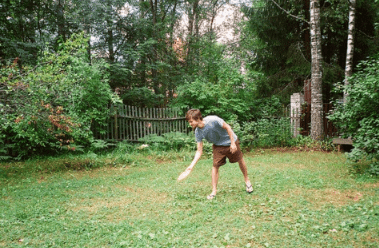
pixel 350 44
pixel 317 127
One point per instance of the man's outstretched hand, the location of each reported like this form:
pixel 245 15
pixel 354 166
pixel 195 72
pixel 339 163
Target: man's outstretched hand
pixel 185 174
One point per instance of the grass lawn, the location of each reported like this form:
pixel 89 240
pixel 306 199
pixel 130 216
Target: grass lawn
pixel 300 199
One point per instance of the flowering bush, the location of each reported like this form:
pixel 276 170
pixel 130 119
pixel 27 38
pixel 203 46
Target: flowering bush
pixel 50 107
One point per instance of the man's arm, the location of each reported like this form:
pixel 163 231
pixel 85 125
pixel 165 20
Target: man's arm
pixel 197 157
pixel 233 147
pixel 198 154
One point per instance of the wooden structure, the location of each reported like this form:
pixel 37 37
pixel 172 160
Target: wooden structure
pixel 339 142
pixel 308 91
pixel 132 123
pixel 329 129
pixel 301 113
pixel 297 101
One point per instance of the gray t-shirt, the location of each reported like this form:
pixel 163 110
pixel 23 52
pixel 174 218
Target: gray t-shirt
pixel 213 132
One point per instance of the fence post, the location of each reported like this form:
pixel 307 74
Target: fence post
pixel 297 99
pixel 115 122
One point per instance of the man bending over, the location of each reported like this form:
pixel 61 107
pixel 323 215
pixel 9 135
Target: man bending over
pixel 225 145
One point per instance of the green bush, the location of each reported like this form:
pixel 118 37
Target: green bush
pixel 359 117
pixel 50 108
pixel 266 133
pixel 142 97
pixel 170 141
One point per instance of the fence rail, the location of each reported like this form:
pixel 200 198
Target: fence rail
pixel 132 123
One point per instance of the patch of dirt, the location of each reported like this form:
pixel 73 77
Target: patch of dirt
pixel 370 239
pixel 297 149
pixel 285 166
pixel 320 198
pixel 371 185
pixel 131 201
pixel 41 179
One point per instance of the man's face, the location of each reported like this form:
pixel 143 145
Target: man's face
pixel 193 123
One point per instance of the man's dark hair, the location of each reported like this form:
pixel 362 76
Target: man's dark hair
pixel 194 114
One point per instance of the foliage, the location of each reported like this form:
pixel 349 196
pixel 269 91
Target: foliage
pixel 359 117
pixel 50 107
pixel 306 143
pixel 169 141
pixel 374 168
pixel 151 46
pixel 276 41
pixel 223 99
pixel 266 133
pixel 141 97
pixel 223 91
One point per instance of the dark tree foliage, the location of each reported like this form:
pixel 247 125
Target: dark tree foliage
pixel 136 37
pixel 19 26
pixel 281 43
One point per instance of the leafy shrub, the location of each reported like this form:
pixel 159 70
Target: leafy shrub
pixel 307 143
pixel 226 99
pixel 141 97
pixel 170 141
pixel 49 165
pixel 220 99
pixel 220 89
pixel 359 117
pixel 50 108
pixel 266 133
pixel 374 168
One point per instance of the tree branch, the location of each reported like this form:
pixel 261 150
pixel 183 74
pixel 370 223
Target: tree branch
pixel 288 13
pixel 368 36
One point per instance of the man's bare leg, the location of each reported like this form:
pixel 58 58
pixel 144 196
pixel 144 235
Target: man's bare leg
pixel 243 168
pixel 214 182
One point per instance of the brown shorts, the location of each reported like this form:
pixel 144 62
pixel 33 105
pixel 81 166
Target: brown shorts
pixel 220 153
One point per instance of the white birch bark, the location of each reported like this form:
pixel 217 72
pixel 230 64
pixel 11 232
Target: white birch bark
pixel 350 46
pixel 317 127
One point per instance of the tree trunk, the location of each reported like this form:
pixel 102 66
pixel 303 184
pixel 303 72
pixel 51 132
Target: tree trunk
pixel 154 60
pixel 110 44
pixel 110 33
pixel 350 46
pixel 61 21
pixel 192 16
pixel 317 127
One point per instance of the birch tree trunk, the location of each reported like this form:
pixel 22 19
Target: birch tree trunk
pixel 350 46
pixel 317 127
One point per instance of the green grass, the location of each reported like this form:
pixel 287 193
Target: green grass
pixel 301 199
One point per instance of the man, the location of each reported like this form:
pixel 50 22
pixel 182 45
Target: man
pixel 225 145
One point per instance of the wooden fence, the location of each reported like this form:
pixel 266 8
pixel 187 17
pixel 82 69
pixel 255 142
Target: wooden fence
pixel 132 123
pixel 329 129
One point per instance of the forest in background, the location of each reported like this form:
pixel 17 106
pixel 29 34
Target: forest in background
pixel 155 47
